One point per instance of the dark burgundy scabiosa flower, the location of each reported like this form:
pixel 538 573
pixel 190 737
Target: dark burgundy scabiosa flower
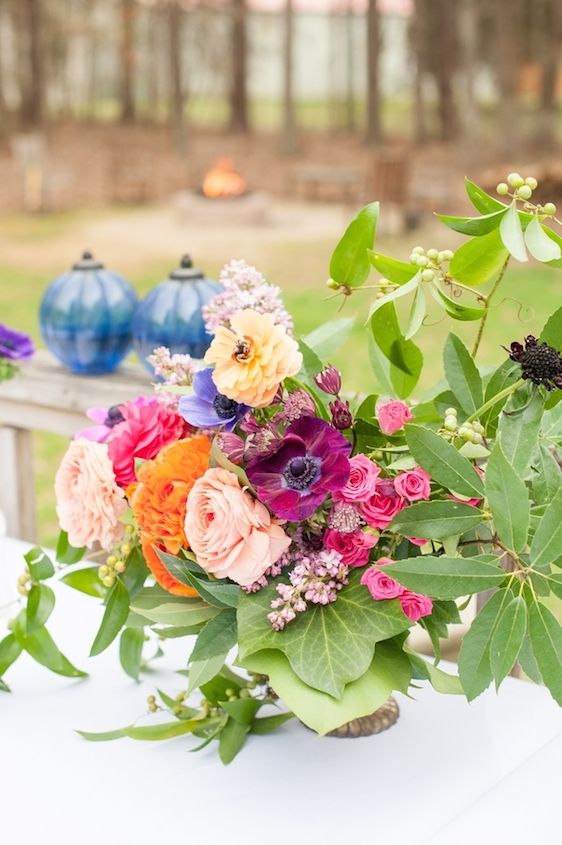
pixel 14 345
pixel 540 363
pixel 309 463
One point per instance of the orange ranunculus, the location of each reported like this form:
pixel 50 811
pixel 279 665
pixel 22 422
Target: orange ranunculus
pixel 164 578
pixel 160 498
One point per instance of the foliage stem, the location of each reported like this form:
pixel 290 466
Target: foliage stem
pixel 503 394
pixel 487 301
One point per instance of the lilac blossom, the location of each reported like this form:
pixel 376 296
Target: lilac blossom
pixel 174 369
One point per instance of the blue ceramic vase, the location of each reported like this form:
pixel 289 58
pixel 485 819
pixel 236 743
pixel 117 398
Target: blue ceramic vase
pixel 86 317
pixel 170 315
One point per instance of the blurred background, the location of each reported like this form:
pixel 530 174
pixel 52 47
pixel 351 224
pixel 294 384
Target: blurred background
pixel 255 129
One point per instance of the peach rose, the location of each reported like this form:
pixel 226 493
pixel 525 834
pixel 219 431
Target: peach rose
pixel 252 359
pixel 231 534
pixel 89 501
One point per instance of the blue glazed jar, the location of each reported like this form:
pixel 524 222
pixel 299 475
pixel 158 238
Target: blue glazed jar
pixel 86 317
pixel 170 315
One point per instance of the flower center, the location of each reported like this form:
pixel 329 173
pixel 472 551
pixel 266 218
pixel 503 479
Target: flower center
pixel 540 363
pixel 114 416
pixel 243 349
pixel 224 407
pixel 300 473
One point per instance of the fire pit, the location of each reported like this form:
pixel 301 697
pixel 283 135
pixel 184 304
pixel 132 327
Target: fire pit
pixel 223 198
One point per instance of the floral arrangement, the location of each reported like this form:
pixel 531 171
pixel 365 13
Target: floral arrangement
pixel 14 347
pixel 255 508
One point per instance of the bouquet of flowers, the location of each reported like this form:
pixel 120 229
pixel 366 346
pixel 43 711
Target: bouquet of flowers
pixel 255 508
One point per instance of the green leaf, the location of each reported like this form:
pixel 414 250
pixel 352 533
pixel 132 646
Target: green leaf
pixel 527 660
pixel 482 202
pixel 242 710
pixel 406 359
pixel 546 640
pixel 103 736
pixel 398 272
pixel 219 459
pixel 66 553
pixel 85 581
pixel 417 313
pixel 217 593
pixel 508 638
pixel 267 724
pixel 39 564
pixel 114 617
pixel 462 375
pixel 4 686
pixel 446 577
pixel 443 462
pixel 203 671
pixel 329 337
pixel 508 499
pixel 519 427
pixel 217 637
pixel 511 233
pixel 172 610
pixel 479 260
pixel 41 647
pixel 552 332
pixel 215 689
pixel 554 236
pixel 342 635
pixel 440 681
pixel 350 264
pixel 539 244
pixel 547 542
pixel 10 650
pixel 130 651
pixel 136 572
pixel 231 739
pixel 398 293
pixel 151 733
pixel 548 478
pixel 436 520
pixel 473 225
pixel 456 309
pixel 475 670
pixel 320 711
pixel 40 604
pixel 505 375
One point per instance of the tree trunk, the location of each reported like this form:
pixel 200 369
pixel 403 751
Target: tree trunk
pixel 418 44
pixel 177 104
pixel 238 89
pixel 32 100
pixel 507 15
pixel 127 60
pixel 551 32
pixel 349 68
pixel 445 20
pixel 289 129
pixel 3 108
pixel 373 130
pixel 468 30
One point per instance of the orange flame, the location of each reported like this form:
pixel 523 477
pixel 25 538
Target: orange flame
pixel 222 180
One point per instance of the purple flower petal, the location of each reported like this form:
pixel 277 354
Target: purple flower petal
pixel 15 345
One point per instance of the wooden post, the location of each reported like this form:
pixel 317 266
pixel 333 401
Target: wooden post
pixel 17 493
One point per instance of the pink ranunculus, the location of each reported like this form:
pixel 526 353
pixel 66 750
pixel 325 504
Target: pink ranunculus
pixel 393 415
pixel 89 501
pixel 474 502
pixel 145 430
pixel 361 482
pixel 413 484
pixel 414 605
pixel 380 585
pixel 354 546
pixel 380 509
pixel 231 533
pixel 108 419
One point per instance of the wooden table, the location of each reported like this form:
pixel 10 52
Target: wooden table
pixel 46 397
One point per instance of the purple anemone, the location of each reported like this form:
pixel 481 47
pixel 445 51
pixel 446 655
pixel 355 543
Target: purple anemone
pixel 14 345
pixel 207 408
pixel 310 462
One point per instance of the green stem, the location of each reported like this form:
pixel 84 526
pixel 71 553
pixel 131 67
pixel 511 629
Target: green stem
pixel 488 299
pixel 503 394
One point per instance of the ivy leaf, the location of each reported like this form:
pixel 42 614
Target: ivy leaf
pixel 508 638
pixel 482 202
pixel 462 374
pixel 114 617
pixel 436 520
pixel 547 542
pixel 398 272
pixel 475 669
pixel 342 635
pixel 446 577
pixel 40 604
pixel 539 244
pixel 546 640
pixel 217 637
pixel 508 499
pixel 350 263
pixel 479 260
pixel 130 651
pixel 473 225
pixel 511 233
pixel 443 462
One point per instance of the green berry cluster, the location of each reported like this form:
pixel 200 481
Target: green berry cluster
pixel 116 563
pixel 471 432
pixel 429 262
pixel 522 189
pixel 24 583
pixel 384 286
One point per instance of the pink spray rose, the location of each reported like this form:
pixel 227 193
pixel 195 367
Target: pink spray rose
pixel 414 605
pixel 231 533
pixel 380 509
pixel 354 546
pixel 393 415
pixel 361 482
pixel 413 484
pixel 89 501
pixel 381 586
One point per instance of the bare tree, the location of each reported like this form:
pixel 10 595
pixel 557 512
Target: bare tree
pixel 127 59
pixel 549 59
pixel 177 97
pixel 289 127
pixel 508 19
pixel 33 76
pixel 350 117
pixel 373 129
pixel 239 48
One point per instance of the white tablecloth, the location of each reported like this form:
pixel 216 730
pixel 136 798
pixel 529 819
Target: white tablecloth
pixel 448 772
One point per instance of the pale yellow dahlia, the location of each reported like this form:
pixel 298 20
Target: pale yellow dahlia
pixel 252 358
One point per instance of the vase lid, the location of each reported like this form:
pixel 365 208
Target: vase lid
pixel 87 262
pixel 186 271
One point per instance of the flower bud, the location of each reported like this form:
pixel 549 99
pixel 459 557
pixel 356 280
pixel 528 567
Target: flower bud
pixel 515 180
pixel 418 250
pixel 451 412
pixel 549 208
pixel 432 254
pixel 428 275
pixel 447 254
pixel 332 284
pixel 422 261
pixel 531 182
pixel 502 189
pixel 342 417
pixel 450 423
pixel 329 380
pixel 524 192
